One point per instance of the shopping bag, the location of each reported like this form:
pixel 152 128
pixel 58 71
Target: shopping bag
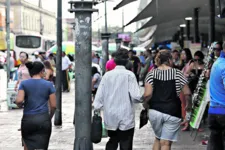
pixel 143 118
pixel 104 131
pixel 96 128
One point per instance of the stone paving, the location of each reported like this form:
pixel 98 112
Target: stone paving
pixel 62 138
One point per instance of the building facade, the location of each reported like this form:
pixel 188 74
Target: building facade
pixel 32 19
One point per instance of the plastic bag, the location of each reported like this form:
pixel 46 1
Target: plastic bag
pixel 104 131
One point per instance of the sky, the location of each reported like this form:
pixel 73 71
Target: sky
pixel 114 17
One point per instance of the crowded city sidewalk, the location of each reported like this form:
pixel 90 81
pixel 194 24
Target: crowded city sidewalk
pixel 62 138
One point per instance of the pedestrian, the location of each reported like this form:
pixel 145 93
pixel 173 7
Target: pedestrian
pixel 66 64
pixel 49 76
pixel 110 65
pixel 36 57
pixel 217 104
pixel 22 72
pixel 142 58
pixel 94 58
pixel 148 63
pixel 185 61
pixel 35 93
pixel 51 60
pixel 193 73
pixel 162 89
pixel 11 65
pixel 116 94
pixel 96 79
pixel 136 64
pixel 176 59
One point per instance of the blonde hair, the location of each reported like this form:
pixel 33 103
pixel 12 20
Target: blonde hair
pixel 163 57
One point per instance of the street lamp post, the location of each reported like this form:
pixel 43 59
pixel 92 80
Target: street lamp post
pixel 8 38
pixel 105 50
pixel 182 35
pixel 83 32
pixel 58 112
pixel 196 25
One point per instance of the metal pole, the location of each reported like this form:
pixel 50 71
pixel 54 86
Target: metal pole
pixel 105 43
pixel 8 38
pixel 106 25
pixel 105 51
pixel 122 20
pixel 212 21
pixel 196 17
pixel 41 20
pixel 83 20
pixel 188 23
pixel 58 112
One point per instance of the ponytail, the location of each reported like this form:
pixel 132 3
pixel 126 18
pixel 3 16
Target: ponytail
pixel 163 57
pixel 34 67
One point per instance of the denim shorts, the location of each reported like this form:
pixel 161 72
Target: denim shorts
pixel 165 127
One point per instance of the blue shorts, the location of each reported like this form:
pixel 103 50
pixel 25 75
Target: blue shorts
pixel 165 127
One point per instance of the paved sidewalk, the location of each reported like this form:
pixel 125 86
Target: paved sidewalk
pixel 63 138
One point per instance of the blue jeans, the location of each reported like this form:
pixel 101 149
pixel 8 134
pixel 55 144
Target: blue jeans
pixel 217 128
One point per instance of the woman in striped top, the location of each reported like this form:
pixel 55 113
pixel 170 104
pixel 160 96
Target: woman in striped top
pixel 162 90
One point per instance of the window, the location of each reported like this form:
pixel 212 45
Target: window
pixel 28 41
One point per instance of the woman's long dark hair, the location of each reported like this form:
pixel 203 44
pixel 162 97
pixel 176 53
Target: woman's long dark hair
pixel 94 71
pixel 188 57
pixel 35 68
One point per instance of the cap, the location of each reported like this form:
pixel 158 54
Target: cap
pixel 36 53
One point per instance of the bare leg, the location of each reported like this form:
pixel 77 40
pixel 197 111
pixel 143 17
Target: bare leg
pixel 165 145
pixel 156 145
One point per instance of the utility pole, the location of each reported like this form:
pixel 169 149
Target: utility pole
pixel 8 38
pixel 83 31
pixel 106 25
pixel 41 21
pixel 58 112
pixel 122 20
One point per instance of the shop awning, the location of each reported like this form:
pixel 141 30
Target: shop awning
pixel 146 44
pixel 165 11
pixel 123 3
pixel 149 34
pixel 202 20
pixel 162 34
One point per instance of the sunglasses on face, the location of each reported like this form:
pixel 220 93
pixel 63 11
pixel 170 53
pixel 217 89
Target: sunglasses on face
pixel 196 59
pixel 216 49
pixel 23 57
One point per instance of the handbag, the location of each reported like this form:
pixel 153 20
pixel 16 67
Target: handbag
pixel 143 118
pixel 96 128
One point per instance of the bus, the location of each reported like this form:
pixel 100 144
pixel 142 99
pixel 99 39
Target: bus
pixel 30 44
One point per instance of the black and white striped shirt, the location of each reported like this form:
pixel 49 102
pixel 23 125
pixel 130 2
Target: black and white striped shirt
pixel 166 75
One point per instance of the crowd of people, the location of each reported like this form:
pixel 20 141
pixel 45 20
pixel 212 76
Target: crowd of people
pixel 169 79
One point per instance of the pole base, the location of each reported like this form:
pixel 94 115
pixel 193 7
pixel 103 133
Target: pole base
pixel 58 118
pixel 83 144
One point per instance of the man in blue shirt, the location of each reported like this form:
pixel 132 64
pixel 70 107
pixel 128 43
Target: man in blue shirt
pixel 217 104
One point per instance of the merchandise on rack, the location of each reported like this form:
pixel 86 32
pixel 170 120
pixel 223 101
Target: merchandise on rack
pixel 200 98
